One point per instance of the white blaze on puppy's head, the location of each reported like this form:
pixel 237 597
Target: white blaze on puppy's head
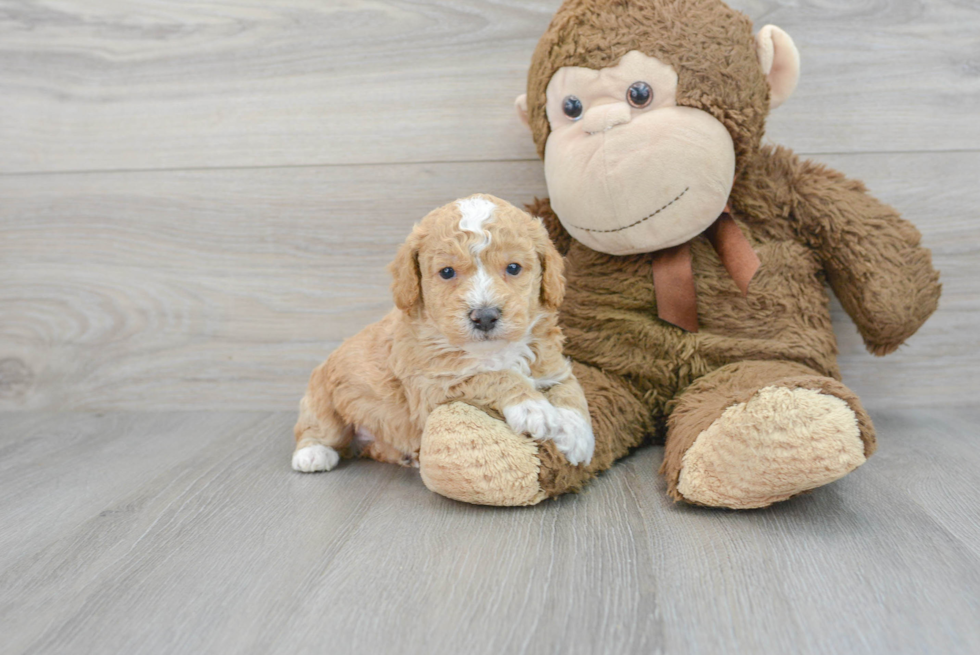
pixel 478 271
pixel 476 212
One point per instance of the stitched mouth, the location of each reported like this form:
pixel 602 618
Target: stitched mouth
pixel 642 220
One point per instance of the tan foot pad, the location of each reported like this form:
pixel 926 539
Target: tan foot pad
pixel 474 458
pixel 779 443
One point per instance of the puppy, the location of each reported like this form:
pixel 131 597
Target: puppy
pixel 476 287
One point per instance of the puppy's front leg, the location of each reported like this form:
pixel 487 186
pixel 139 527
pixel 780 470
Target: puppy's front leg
pixel 576 426
pixel 528 410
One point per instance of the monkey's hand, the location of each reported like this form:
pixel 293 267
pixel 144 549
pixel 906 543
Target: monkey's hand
pixel 873 258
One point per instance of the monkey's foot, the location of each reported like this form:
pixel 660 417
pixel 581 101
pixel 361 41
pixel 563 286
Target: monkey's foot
pixel 779 443
pixel 469 456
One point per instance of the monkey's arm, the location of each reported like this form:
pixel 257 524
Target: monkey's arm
pixel 872 256
pixel 559 236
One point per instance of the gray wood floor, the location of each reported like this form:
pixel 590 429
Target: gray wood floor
pixel 184 532
pixel 197 202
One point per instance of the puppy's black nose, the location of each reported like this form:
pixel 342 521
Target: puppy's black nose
pixel 485 318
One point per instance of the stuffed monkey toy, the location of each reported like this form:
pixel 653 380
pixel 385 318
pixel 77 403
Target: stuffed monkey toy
pixel 697 264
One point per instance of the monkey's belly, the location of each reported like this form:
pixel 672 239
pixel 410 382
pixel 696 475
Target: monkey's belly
pixel 610 317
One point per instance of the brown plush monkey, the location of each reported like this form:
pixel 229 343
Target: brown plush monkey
pixel 697 262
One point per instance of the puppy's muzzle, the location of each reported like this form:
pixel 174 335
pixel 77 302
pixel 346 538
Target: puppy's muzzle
pixel 485 319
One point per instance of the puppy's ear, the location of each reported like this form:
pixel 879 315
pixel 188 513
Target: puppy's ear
pixel 552 268
pixel 406 285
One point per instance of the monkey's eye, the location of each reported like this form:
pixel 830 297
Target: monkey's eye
pixel 513 269
pixel 639 94
pixel 572 107
pixel 447 273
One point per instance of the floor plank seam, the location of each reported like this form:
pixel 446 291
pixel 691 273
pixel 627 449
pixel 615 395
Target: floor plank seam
pixel 432 162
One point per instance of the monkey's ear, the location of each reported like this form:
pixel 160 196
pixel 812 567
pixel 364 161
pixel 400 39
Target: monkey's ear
pixel 521 106
pixel 780 61
pixel 406 285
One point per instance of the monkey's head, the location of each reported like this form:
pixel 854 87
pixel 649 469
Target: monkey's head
pixel 644 112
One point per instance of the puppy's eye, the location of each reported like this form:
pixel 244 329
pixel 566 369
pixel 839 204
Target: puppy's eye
pixel 447 273
pixel 572 107
pixel 639 94
pixel 513 269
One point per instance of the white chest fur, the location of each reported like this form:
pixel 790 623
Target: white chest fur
pixel 493 356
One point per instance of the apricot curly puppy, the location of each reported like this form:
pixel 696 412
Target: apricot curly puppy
pixel 476 287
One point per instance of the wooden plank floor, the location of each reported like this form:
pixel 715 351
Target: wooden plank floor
pixel 183 226
pixel 188 533
pixel 197 202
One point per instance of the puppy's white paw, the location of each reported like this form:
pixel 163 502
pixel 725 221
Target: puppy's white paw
pixel 538 418
pixel 574 437
pixel 570 431
pixel 311 459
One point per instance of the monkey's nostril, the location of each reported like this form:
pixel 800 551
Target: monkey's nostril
pixel 605 117
pixel 485 318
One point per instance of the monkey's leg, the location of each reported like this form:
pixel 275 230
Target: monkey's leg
pixel 754 433
pixel 470 456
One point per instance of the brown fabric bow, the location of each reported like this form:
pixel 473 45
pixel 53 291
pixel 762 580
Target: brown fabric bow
pixel 673 277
